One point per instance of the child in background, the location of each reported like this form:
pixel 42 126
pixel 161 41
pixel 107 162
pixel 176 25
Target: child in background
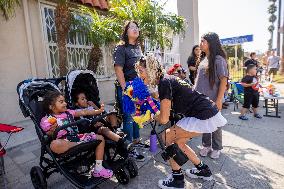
pixel 251 94
pixel 57 115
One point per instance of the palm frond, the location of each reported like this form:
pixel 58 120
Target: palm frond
pixel 7 7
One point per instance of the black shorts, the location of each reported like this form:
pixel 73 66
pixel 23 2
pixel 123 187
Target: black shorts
pixel 251 99
pixel 272 71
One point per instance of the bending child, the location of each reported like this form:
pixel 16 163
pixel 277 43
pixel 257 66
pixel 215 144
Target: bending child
pixel 251 94
pixel 58 115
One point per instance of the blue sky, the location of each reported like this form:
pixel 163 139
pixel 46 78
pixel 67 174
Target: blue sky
pixel 231 18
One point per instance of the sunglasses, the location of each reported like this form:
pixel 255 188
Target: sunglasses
pixel 133 28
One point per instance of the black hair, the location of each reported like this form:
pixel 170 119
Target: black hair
pixel 49 99
pixel 192 52
pixel 252 53
pixel 124 35
pixel 215 48
pixel 249 67
pixel 76 93
pixel 142 62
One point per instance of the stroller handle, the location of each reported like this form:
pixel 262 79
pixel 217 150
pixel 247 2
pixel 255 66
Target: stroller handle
pixel 54 136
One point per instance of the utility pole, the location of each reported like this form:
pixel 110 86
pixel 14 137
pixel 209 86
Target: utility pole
pixel 278 27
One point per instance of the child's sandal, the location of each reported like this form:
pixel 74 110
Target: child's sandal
pixel 105 173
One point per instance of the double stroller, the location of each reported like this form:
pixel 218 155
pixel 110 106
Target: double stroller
pixel 74 164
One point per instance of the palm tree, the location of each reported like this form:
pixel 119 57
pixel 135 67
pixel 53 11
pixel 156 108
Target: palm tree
pixel 278 26
pixel 155 25
pixel 7 7
pixel 102 30
pixel 62 23
pixel 271 10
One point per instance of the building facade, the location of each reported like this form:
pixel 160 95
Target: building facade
pixel 28 49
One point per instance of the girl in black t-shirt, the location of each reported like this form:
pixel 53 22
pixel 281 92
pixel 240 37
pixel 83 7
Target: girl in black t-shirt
pixel 192 60
pixel 201 115
pixel 125 55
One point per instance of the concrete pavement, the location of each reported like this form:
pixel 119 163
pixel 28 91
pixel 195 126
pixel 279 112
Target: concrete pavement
pixel 253 157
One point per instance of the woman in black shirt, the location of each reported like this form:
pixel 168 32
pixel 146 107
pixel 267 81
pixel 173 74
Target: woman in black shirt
pixel 201 115
pixel 191 62
pixel 125 55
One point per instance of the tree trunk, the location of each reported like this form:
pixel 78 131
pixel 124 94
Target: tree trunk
pixel 282 59
pixel 62 22
pixel 278 27
pixel 95 58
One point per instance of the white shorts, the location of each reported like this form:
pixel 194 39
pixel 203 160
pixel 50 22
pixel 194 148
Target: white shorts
pixel 210 125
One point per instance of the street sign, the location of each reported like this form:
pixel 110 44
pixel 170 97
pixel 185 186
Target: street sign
pixel 237 40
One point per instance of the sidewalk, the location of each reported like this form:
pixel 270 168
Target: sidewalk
pixel 253 157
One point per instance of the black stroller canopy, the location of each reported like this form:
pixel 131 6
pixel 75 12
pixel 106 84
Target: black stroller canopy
pixel 31 94
pixel 82 80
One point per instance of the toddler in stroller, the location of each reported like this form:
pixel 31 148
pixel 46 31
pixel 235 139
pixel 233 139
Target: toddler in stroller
pixel 79 159
pixel 105 127
pixel 54 104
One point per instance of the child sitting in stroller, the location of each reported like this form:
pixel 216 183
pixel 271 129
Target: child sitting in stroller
pixel 57 115
pixel 82 103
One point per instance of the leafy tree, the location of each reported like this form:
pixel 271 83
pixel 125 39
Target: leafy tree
pixel 102 30
pixel 7 7
pixel 155 25
pixel 230 51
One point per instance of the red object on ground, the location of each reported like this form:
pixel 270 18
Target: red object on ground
pixel 9 128
pixel 2 151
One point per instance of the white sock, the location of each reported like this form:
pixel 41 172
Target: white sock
pixel 99 165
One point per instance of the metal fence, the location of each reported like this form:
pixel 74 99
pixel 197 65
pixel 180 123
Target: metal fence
pixel 236 69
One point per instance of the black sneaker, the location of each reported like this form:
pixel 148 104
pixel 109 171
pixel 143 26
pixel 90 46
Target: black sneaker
pixel 171 182
pixel 204 174
pixel 141 145
pixel 138 157
pixel 124 147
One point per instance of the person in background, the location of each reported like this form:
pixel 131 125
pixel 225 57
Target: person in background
pixel 251 94
pixel 211 80
pixel 252 60
pixel 126 54
pixel 191 62
pixel 265 62
pixel 273 65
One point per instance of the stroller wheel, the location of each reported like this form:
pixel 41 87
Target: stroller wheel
pixel 122 175
pixel 38 178
pixel 2 173
pixel 2 168
pixel 132 168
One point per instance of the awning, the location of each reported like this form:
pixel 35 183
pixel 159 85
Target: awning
pixel 100 4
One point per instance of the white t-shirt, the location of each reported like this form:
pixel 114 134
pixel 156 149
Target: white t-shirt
pixel 273 62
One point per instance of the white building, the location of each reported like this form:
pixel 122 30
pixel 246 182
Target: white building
pixel 28 49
